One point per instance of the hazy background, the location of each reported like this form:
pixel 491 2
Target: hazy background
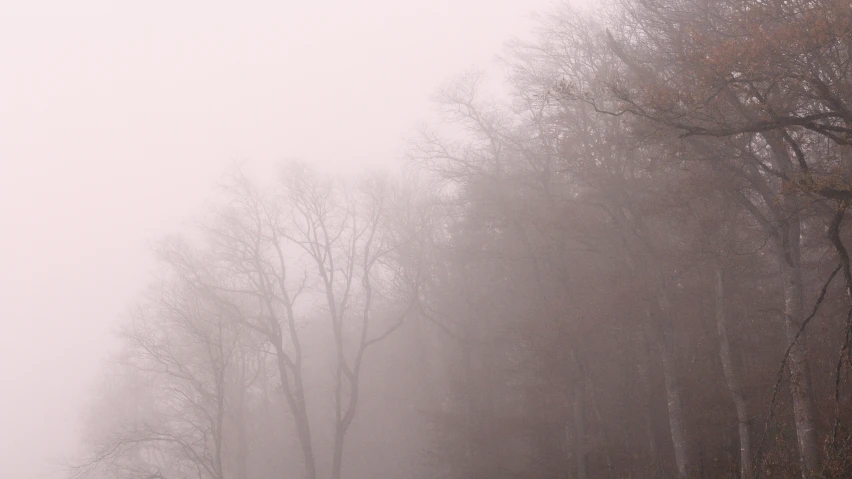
pixel 115 121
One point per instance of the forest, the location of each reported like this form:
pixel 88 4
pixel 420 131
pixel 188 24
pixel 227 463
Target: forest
pixel 630 260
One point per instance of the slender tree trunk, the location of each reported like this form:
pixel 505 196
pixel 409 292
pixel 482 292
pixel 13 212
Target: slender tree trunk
pixel 469 426
pixel 298 406
pixel 219 430
pixel 731 375
pixel 337 458
pixel 672 385
pixel 240 422
pixel 587 387
pixel 580 431
pixel 674 406
pixel 647 360
pixel 304 431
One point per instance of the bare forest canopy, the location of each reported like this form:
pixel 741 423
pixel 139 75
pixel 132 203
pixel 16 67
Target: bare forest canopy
pixel 635 265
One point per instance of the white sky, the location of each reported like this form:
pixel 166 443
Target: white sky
pixel 117 117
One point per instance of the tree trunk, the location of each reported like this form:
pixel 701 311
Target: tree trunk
pixel 647 360
pixel 731 375
pixel 788 253
pixel 580 432
pixel 667 352
pixel 337 459
pixel 241 465
pixel 298 406
pixel 469 425
pixel 800 384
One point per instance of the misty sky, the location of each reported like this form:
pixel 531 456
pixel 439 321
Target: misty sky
pixel 115 121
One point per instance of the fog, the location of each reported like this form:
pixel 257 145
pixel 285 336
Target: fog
pixel 453 239
pixel 117 119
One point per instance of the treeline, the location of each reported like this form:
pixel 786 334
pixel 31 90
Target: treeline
pixel 633 266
